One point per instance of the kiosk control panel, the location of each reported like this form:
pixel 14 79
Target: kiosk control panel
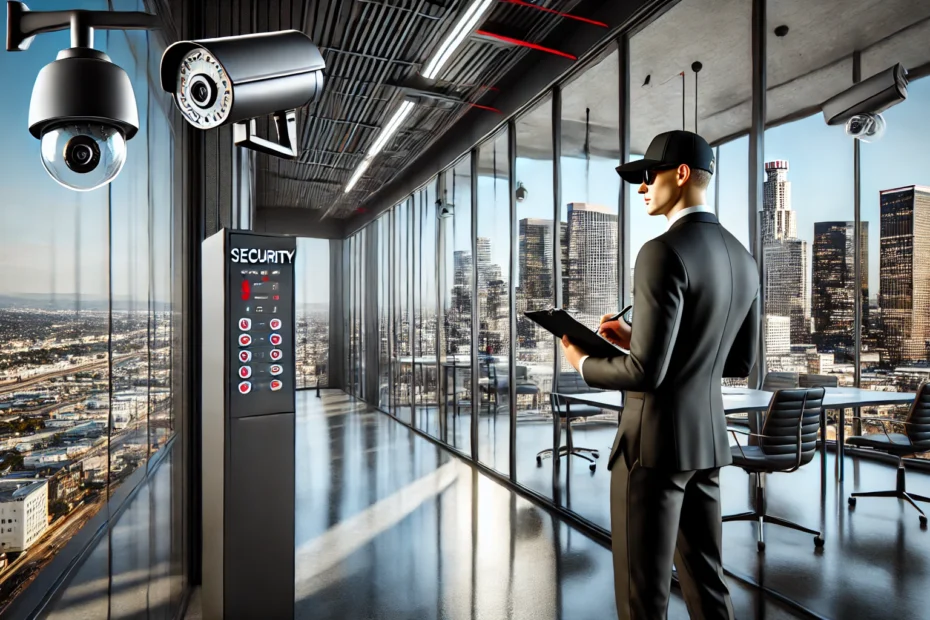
pixel 261 348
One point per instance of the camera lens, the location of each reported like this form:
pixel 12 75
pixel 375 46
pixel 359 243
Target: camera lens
pixel 202 91
pixel 82 154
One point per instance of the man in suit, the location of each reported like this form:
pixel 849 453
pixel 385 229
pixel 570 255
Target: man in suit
pixel 696 321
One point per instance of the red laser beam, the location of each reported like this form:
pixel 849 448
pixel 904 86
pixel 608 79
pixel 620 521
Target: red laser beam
pixel 500 37
pixel 559 13
pixel 484 107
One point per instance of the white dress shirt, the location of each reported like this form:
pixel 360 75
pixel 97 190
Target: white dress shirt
pixel 671 220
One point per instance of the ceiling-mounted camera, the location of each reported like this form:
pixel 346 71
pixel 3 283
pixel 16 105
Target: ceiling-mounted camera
pixel 237 79
pixel 83 108
pixel 521 192
pixel 444 210
pixel 860 106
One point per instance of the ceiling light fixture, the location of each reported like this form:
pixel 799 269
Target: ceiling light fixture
pixel 462 29
pixel 389 130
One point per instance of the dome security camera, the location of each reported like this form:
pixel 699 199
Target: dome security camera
pixel 234 80
pixel 83 108
pixel 866 127
pixel 521 192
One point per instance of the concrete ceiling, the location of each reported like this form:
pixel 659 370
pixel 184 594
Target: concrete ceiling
pixel 806 67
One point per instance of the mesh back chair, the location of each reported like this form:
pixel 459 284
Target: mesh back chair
pixel 915 440
pixel 826 381
pixel 780 381
pixel 572 383
pixel 788 440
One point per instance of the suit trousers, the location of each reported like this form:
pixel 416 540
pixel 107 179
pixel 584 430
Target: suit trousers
pixel 658 517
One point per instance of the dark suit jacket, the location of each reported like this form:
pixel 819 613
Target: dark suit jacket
pixel 696 320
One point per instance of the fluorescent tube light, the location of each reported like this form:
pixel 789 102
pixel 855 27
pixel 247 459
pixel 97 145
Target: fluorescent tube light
pixel 389 130
pixel 462 29
pixel 362 167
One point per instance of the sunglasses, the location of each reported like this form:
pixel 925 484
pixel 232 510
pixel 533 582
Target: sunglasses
pixel 649 176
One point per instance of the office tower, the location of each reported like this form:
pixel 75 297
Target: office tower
pixel 535 247
pixel 904 268
pixel 777 335
pixel 591 287
pixel 484 261
pixel 785 256
pixel 786 288
pixel 833 288
pixel 779 221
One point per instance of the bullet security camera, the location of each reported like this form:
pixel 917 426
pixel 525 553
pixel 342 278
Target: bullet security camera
pixel 83 108
pixel 234 80
pixel 860 106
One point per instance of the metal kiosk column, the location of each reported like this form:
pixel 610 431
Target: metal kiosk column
pixel 248 425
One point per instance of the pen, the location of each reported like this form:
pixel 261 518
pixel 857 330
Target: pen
pixel 619 314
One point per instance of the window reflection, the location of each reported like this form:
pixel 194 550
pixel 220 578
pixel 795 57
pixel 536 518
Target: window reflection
pixel 312 293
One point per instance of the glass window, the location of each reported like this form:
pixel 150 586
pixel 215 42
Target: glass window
pixel 895 210
pixel 311 273
pixel 403 359
pixel 384 311
pixel 457 304
pixel 492 229
pixel 534 289
pixel 588 246
pixel 426 333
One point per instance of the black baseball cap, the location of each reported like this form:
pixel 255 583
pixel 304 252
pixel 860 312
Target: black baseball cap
pixel 669 150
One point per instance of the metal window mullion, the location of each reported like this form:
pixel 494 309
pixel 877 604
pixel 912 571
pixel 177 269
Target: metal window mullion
pixel 441 387
pixel 756 165
pixel 556 251
pixel 623 254
pixel 511 292
pixel 717 182
pixel 857 256
pixel 411 304
pixel 475 371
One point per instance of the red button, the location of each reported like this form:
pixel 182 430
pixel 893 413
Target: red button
pixel 276 354
pixel 245 340
pixel 276 369
pixel 245 387
pixel 245 372
pixel 275 339
pixel 277 298
pixel 275 385
pixel 245 356
pixel 245 324
pixel 275 324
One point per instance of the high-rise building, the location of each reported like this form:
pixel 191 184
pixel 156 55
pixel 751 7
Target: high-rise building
pixel 786 288
pixel 833 288
pixel 484 261
pixel 591 288
pixel 777 335
pixel 535 259
pixel 785 256
pixel 904 268
pixel 779 221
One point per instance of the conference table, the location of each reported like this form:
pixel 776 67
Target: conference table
pixel 745 400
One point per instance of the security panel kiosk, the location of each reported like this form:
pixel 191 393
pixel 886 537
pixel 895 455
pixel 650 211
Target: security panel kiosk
pixel 248 425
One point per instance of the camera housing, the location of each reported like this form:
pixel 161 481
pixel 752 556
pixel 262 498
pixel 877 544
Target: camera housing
pixel 859 107
pixel 444 210
pixel 83 110
pixel 234 80
pixel 520 192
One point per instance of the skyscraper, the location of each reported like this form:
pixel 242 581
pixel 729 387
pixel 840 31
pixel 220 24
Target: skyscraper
pixel 535 258
pixel 904 268
pixel 785 256
pixel 591 288
pixel 484 261
pixel 833 288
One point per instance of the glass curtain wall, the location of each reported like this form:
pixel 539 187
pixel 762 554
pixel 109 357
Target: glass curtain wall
pixel 457 305
pixel 534 289
pixel 403 358
pixel 493 236
pixel 311 273
pixel 90 355
pixel 425 298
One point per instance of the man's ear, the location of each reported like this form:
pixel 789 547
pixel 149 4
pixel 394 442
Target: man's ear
pixel 684 173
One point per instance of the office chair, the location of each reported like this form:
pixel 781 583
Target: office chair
pixel 788 440
pixel 571 383
pixel 915 440
pixel 780 381
pixel 826 381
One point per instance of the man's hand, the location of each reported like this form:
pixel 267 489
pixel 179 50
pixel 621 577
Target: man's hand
pixel 572 353
pixel 617 331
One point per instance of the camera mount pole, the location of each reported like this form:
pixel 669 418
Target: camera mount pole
pixel 285 122
pixel 22 25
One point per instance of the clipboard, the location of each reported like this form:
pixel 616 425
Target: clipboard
pixel 560 323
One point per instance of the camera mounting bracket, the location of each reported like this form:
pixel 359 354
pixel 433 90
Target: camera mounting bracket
pixel 285 122
pixel 22 25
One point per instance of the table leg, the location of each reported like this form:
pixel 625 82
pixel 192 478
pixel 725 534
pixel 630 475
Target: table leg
pixel 823 452
pixel 455 400
pixel 840 443
pixel 556 440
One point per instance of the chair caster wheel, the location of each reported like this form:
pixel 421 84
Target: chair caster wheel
pixel 761 545
pixel 593 466
pixel 818 542
pixel 538 461
pixel 596 455
pixel 923 521
pixel 852 502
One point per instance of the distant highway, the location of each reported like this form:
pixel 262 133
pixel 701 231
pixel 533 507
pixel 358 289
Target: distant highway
pixel 19 387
